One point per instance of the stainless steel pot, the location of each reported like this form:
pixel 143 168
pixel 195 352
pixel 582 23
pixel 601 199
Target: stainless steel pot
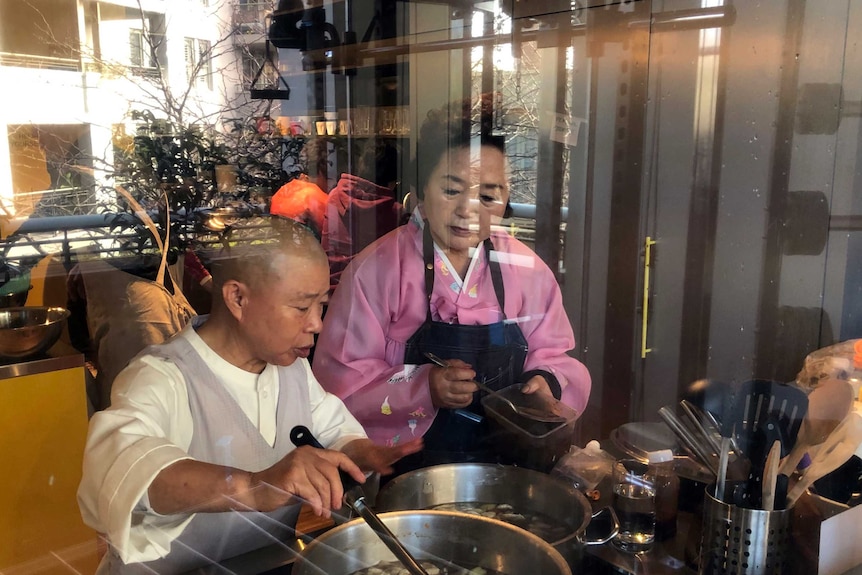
pixel 525 490
pixel 441 536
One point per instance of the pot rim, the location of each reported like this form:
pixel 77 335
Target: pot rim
pixel 322 539
pixel 529 475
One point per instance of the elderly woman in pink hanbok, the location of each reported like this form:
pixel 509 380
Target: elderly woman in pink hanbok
pixel 451 283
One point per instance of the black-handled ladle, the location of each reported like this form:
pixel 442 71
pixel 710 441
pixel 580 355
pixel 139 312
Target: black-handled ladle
pixel 354 497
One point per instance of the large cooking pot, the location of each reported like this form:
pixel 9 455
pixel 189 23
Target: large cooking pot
pixel 527 491
pixel 443 537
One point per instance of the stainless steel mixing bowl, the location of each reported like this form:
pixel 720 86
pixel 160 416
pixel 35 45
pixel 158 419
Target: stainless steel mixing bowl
pixel 29 331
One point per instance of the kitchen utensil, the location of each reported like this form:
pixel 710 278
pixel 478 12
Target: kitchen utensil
pixel 738 540
pixel 721 480
pixel 701 425
pixel 770 476
pixel 710 395
pixel 535 443
pixel 531 412
pixel 767 434
pixel 354 496
pixel 687 439
pixel 29 331
pixel 828 405
pixel 637 438
pixel 753 404
pixel 841 444
pixel 450 538
pixel 526 491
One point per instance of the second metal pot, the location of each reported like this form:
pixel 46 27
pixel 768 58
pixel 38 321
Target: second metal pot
pixel 525 490
pixel 442 537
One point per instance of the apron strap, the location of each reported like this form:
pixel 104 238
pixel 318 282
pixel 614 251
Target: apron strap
pixel 496 276
pixel 428 257
pixel 493 266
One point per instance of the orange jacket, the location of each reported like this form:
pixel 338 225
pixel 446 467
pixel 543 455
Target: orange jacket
pixel 302 201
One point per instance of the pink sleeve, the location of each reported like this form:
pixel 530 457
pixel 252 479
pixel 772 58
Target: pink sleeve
pixel 392 401
pixel 548 331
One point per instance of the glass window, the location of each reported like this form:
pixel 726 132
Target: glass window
pixel 671 188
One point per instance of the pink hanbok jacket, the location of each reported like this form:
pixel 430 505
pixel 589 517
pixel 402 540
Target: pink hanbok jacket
pixel 380 303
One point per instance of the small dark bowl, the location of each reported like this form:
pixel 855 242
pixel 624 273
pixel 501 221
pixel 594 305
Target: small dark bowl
pixel 16 299
pixel 29 331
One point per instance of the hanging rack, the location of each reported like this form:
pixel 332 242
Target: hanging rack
pixel 276 93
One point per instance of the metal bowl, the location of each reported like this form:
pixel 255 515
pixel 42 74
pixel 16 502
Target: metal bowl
pixel 438 536
pixel 29 331
pixel 15 299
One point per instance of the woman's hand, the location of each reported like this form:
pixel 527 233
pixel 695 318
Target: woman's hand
pixel 372 457
pixel 452 387
pixel 537 384
pixel 310 475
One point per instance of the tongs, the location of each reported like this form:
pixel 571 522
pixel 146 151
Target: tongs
pixel 530 412
pixel 354 497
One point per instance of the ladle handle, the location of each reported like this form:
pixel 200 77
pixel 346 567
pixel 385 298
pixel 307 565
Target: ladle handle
pixel 355 498
pixel 300 435
pixel 789 463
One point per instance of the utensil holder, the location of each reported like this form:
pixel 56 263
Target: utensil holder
pixel 741 541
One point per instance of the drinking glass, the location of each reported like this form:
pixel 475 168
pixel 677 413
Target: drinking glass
pixel 634 503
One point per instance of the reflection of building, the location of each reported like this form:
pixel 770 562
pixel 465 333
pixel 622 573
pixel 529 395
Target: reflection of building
pixel 72 70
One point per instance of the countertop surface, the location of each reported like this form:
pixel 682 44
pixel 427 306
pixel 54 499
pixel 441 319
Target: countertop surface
pixel 60 356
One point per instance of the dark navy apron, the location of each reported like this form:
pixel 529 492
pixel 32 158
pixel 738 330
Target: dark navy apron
pixel 496 352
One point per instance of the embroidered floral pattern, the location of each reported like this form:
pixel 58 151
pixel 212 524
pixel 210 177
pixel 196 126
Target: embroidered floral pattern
pixel 405 375
pixel 385 408
pixel 418 413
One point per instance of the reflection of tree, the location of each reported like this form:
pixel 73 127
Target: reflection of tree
pixel 520 94
pixel 174 131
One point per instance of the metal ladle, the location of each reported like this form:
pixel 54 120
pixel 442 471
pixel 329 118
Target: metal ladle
pixel 354 496
pixel 530 412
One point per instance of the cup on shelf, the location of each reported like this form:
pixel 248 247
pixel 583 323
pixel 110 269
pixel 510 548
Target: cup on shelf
pixel 388 118
pixel 362 121
pixel 343 127
pixel 282 123
pixel 320 127
pixel 330 127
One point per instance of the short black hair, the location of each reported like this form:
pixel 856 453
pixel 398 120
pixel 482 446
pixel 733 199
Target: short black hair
pixel 456 124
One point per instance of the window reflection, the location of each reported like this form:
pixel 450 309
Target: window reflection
pixel 725 133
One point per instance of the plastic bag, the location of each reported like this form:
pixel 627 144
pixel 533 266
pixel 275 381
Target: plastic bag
pixel 831 362
pixel 584 468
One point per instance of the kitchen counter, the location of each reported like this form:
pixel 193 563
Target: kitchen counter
pixel 60 356
pixel 43 428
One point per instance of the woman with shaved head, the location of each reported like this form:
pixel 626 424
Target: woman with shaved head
pixel 193 462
